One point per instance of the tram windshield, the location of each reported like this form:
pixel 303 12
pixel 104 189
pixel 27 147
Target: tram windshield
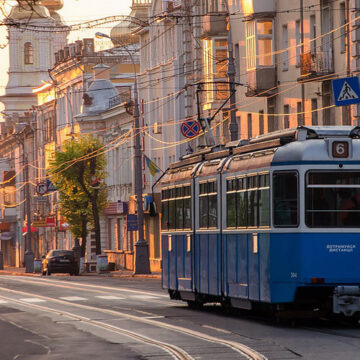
pixel 332 199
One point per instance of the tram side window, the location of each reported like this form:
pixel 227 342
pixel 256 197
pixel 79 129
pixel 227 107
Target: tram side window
pixel 165 209
pixel 248 201
pixel 285 192
pixel 264 200
pixel 242 203
pixel 208 205
pixel 332 199
pixel 252 205
pixel 176 208
pixel 231 201
pixel 172 209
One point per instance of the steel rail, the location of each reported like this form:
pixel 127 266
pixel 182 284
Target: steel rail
pixel 243 349
pixel 173 350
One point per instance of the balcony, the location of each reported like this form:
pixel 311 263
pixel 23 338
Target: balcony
pixel 315 65
pixel 214 24
pixel 261 81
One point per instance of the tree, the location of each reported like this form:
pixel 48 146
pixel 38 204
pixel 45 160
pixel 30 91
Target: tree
pixel 78 171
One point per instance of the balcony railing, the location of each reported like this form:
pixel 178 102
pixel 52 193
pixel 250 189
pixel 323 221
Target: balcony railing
pixel 316 64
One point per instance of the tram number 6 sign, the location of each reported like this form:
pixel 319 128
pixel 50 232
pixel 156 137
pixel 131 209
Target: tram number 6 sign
pixel 340 149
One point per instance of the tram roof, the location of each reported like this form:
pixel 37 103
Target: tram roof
pixel 287 146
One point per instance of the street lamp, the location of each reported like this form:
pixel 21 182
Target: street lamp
pixel 142 265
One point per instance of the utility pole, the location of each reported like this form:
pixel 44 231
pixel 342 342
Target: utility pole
pixel 142 264
pixel 348 55
pixel 302 54
pixel 233 126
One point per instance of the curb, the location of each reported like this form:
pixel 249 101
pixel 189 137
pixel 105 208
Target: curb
pixel 107 275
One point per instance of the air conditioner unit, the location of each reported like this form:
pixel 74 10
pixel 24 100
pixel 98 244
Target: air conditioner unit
pixel 157 128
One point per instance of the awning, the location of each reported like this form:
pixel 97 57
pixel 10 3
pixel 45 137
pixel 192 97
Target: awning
pixel 6 236
pixel 25 229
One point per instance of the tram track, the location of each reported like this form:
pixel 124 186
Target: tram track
pixel 176 352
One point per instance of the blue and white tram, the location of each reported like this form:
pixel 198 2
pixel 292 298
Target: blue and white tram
pixel 274 222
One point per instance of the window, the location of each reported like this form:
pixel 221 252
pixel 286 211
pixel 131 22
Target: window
pixel 28 53
pixel 312 34
pixel 271 111
pixel 176 208
pixel 259 43
pixel 237 61
pixel 261 122
pixel 264 200
pixel 285 39
pixel 265 42
pixel 332 199
pixel 285 194
pixel 343 29
pixel 208 204
pixel 252 203
pixel 248 201
pixel 231 203
pixel 300 114
pixel 286 116
pixel 314 112
pixel 215 68
pixel 249 125
pixel 298 41
pixel 250 45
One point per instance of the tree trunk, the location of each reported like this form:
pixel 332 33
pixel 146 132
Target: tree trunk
pixel 96 217
pixel 84 234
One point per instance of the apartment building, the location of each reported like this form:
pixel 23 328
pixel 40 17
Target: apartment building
pixel 286 54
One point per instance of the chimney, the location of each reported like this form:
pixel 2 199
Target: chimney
pixel 101 72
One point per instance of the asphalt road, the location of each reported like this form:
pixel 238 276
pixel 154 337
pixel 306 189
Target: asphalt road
pixel 62 317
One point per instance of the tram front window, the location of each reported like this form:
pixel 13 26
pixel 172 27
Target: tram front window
pixel 285 192
pixel 333 199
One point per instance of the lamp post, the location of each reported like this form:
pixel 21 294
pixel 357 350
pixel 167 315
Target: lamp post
pixel 142 265
pixel 233 125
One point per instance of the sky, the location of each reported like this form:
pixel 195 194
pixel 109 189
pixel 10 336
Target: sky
pixel 74 12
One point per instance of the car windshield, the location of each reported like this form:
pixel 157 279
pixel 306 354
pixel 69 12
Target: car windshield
pixel 62 253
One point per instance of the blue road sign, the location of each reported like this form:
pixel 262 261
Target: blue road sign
pixel 346 91
pixel 131 222
pixel 50 186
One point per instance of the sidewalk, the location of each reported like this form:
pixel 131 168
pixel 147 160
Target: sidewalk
pixel 9 270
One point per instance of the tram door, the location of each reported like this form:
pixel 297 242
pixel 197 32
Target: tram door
pixel 207 239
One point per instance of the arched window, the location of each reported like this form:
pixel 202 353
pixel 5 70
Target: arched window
pixel 28 53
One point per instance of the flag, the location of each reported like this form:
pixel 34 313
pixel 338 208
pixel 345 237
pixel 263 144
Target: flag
pixel 152 166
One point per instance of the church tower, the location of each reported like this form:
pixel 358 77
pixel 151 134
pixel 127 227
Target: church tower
pixel 32 44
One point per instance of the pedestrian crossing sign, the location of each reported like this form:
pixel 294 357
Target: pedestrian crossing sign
pixel 346 91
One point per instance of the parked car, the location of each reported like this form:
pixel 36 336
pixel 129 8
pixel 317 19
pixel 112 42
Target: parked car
pixel 60 261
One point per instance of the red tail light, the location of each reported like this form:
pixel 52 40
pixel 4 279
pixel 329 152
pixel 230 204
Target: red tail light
pixel 52 260
pixel 317 280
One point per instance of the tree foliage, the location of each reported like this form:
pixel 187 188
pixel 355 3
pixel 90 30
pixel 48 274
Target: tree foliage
pixel 78 171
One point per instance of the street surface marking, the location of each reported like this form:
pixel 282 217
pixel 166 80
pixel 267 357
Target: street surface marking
pixel 3 302
pixel 33 300
pixel 143 297
pixel 109 297
pixel 234 345
pixel 57 283
pixel 72 298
